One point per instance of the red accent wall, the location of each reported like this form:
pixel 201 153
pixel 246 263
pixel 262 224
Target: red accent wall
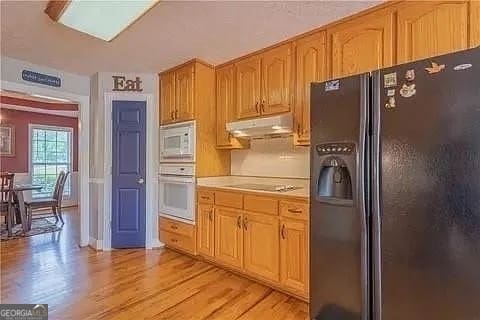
pixel 21 120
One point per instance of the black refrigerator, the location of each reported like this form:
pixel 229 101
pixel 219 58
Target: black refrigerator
pixel 395 192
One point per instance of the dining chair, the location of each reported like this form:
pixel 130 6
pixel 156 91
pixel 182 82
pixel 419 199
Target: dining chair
pixel 55 202
pixel 6 199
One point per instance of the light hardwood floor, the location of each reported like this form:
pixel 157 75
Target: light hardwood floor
pixel 81 283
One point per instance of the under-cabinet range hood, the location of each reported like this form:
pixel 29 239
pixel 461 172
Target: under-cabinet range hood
pixel 268 126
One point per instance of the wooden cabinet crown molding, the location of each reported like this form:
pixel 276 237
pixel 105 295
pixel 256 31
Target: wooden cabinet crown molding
pixel 386 4
pixel 191 61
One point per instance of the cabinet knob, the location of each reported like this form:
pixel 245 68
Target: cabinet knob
pixel 256 107
pixel 239 222
pixel 245 224
pixel 282 232
pixel 262 105
pixel 171 115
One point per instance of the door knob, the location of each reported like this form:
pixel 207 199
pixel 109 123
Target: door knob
pixel 140 181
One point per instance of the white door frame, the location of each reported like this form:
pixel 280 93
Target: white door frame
pixel 83 145
pixel 151 232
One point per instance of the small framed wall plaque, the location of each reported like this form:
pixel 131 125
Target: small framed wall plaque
pixel 7 140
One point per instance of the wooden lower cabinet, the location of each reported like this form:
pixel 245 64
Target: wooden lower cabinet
pixel 294 262
pixel 271 245
pixel 205 227
pixel 229 237
pixel 261 246
pixel 178 235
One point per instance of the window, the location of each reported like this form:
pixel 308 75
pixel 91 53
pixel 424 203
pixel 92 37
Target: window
pixel 50 154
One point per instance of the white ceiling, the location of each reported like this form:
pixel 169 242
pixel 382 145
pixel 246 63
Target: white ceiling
pixel 170 33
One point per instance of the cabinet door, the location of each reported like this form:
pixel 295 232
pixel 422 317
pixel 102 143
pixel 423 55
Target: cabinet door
pixel 311 67
pixel 277 80
pixel 167 98
pixel 474 25
pixel 228 237
pixel 294 255
pixel 184 88
pixel 225 103
pixel 430 28
pixel 248 87
pixel 261 246
pixel 205 230
pixel 362 44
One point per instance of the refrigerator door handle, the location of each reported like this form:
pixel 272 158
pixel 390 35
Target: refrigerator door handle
pixel 375 187
pixel 362 187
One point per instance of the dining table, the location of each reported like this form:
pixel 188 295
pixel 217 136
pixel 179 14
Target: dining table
pixel 19 198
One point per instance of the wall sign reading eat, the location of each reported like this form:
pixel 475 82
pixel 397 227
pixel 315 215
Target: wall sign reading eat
pixel 121 83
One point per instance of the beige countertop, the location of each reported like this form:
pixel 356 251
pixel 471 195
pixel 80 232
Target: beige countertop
pixel 225 182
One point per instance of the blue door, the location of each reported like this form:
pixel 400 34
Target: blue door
pixel 128 174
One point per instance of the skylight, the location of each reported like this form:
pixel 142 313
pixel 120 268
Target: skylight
pixel 101 19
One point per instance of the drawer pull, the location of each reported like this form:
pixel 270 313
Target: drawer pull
pixel 294 210
pixel 282 232
pixel 174 227
pixel 239 222
pixel 210 216
pixel 205 198
pixel 174 240
pixel 245 224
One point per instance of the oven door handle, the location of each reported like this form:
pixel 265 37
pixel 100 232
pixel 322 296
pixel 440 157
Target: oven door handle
pixel 179 179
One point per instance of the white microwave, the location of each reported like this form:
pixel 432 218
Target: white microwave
pixel 177 142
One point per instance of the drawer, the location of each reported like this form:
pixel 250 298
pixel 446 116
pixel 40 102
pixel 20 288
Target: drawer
pixel 293 209
pixel 229 199
pixel 206 196
pixel 261 204
pixel 177 227
pixel 178 241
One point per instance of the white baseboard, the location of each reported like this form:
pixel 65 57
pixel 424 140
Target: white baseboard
pixel 95 244
pixel 157 244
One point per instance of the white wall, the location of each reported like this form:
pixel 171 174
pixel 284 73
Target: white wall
pixel 12 71
pixel 276 157
pixel 102 83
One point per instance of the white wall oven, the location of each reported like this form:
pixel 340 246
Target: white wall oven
pixel 177 142
pixel 177 192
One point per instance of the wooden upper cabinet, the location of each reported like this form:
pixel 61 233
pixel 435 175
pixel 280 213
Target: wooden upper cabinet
pixel 294 255
pixel 205 230
pixel 474 27
pixel 226 109
pixel 262 246
pixel 167 98
pixel 310 67
pixel 429 28
pixel 248 87
pixel 277 80
pixel 225 103
pixel 362 44
pixel 229 237
pixel 184 87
